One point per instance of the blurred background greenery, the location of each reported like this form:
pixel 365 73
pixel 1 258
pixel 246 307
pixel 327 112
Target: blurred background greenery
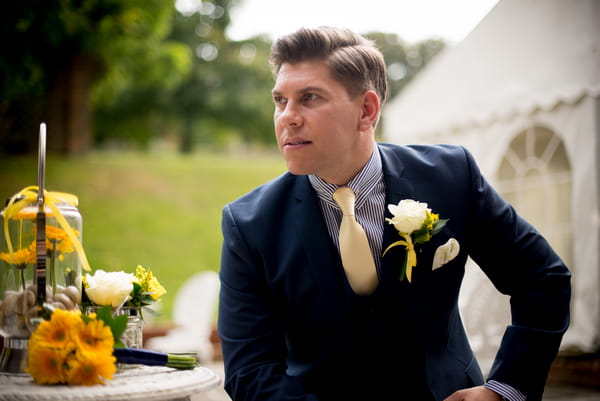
pixel 160 210
pixel 155 118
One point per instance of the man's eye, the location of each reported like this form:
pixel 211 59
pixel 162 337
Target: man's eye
pixel 278 99
pixel 309 96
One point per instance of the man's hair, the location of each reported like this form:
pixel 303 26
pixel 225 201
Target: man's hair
pixel 353 60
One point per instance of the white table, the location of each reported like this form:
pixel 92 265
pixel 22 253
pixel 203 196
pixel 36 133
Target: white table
pixel 147 383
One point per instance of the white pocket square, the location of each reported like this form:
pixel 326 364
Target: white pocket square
pixel 445 253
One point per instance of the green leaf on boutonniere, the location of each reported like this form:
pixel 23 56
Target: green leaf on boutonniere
pixel 438 225
pixel 429 229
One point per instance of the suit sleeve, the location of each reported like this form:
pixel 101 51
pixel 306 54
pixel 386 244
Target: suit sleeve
pixel 521 264
pixel 251 326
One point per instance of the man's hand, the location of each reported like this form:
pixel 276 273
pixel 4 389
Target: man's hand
pixel 475 394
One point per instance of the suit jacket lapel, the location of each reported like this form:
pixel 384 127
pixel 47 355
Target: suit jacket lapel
pixel 414 294
pixel 396 188
pixel 323 262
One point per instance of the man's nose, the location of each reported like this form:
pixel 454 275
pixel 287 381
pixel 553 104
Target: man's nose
pixel 291 116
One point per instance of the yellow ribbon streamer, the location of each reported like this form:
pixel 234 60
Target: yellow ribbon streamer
pixel 411 255
pixel 29 195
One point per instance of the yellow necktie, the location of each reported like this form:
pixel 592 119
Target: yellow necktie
pixel 354 246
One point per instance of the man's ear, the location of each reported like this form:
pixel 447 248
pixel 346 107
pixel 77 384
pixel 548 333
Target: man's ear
pixel 370 110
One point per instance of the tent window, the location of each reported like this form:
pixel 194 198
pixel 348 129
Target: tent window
pixel 535 177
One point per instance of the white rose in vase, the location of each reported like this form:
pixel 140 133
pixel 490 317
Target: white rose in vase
pixel 109 288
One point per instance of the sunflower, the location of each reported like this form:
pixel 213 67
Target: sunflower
pixel 59 330
pixel 47 364
pixel 20 257
pixel 26 214
pixel 57 239
pixel 70 349
pixel 95 337
pixel 87 368
pixel 55 233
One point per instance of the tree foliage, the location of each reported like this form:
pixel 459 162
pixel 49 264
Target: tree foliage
pixel 226 97
pixel 404 60
pixel 223 97
pixel 106 72
pixel 55 51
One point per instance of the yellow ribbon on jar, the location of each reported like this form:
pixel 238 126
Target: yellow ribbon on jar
pixel 29 195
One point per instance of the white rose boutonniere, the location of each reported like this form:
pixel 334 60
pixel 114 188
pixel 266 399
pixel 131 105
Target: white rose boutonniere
pixel 416 224
pixel 109 288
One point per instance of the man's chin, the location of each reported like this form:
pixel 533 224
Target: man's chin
pixel 296 169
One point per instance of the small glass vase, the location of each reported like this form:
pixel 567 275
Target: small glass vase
pixel 132 337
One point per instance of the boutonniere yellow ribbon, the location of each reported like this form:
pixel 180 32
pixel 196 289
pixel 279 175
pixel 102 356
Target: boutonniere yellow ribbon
pixel 415 224
pixel 28 196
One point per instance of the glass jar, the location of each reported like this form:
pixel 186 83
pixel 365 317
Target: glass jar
pixel 18 286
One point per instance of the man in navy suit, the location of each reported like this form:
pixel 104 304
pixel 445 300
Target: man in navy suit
pixel 293 328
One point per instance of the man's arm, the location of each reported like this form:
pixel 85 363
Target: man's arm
pixel 251 330
pixel 521 264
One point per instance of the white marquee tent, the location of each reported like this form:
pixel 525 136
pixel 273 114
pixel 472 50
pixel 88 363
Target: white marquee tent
pixel 522 93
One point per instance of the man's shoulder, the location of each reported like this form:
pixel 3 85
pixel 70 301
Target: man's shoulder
pixel 423 153
pixel 416 150
pixel 266 194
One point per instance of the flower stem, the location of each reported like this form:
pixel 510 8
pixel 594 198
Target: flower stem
pixel 148 357
pixel 181 361
pixel 22 272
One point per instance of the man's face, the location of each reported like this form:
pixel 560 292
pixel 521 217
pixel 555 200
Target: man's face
pixel 317 125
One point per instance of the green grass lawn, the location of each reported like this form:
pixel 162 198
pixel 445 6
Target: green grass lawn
pixel 162 211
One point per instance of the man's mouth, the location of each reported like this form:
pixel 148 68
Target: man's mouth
pixel 297 143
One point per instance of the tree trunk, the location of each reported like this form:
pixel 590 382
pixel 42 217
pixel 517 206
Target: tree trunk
pixel 69 116
pixel 186 145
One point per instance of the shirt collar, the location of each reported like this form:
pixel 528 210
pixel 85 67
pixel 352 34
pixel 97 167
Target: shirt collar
pixel 362 184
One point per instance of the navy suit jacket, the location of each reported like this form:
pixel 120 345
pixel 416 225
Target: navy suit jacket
pixel 285 304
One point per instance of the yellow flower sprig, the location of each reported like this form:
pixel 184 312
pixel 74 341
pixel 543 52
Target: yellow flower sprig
pixel 149 284
pixel 146 290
